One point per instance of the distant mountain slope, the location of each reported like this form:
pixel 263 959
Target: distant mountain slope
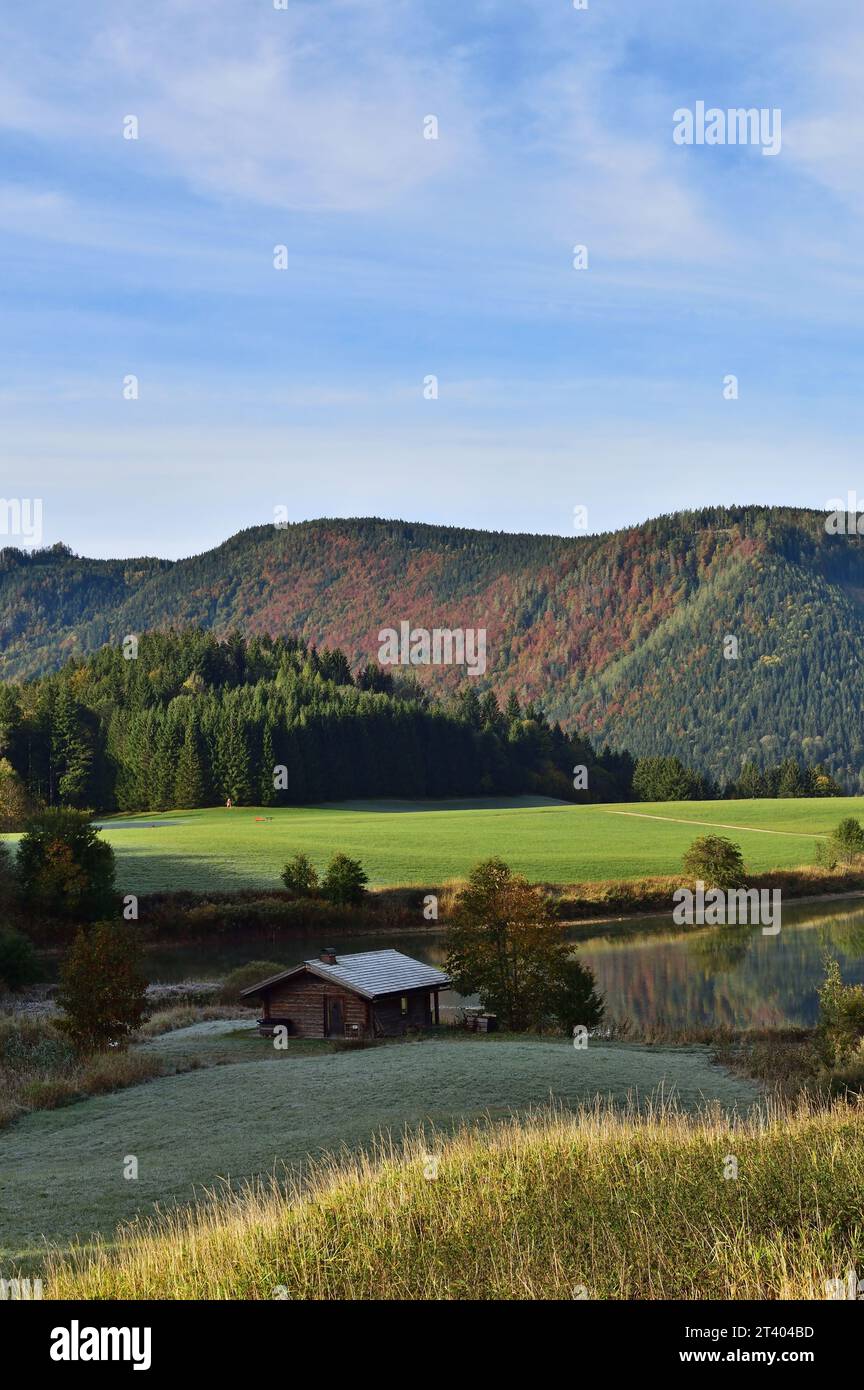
pixel 619 635
pixel 54 605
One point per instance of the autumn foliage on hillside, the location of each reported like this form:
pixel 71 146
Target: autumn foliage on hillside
pixel 618 637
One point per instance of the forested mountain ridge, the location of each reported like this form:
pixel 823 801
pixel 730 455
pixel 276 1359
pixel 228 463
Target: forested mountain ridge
pixel 619 636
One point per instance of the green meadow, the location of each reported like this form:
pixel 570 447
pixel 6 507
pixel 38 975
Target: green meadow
pixel 61 1171
pixel 596 1205
pixel 427 843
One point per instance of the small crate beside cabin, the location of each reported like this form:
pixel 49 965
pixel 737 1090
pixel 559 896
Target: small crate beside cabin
pixel 367 994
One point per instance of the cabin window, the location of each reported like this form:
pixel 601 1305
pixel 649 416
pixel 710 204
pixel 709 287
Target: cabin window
pixel 404 1004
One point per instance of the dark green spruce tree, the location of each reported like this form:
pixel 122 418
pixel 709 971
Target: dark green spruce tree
pixel 190 782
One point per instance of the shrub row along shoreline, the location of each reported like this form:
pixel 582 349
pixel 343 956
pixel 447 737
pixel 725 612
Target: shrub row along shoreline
pixel 187 916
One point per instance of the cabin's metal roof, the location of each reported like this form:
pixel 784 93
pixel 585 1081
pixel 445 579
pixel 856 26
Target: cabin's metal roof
pixel 380 972
pixel 370 973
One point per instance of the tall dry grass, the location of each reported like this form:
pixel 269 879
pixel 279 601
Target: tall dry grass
pixel 39 1069
pixel 599 898
pixel 185 1015
pixel 654 893
pixel 600 1204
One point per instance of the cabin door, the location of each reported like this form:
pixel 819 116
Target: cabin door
pixel 334 1018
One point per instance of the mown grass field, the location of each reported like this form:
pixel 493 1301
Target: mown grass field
pixel 427 843
pixel 61 1171
pixel 596 1206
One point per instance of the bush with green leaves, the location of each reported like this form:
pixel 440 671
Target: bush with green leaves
pixel 19 965
pixel 300 876
pixel 573 997
pixel 345 881
pixel 243 978
pixel 844 845
pixel 841 1016
pixel 64 867
pixel 716 861
pixel 825 856
pixel 102 987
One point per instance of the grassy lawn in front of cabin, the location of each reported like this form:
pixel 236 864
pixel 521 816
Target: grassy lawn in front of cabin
pixel 596 1205
pixel 61 1171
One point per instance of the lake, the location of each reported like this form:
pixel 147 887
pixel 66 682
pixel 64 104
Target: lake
pixel 650 971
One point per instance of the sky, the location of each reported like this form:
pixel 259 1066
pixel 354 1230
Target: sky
pixel 407 258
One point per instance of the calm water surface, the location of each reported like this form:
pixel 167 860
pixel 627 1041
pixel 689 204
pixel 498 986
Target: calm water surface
pixel 651 972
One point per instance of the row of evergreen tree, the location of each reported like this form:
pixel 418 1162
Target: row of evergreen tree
pixel 181 720
pixel 668 779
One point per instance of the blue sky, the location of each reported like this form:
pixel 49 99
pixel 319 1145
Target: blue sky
pixel 409 257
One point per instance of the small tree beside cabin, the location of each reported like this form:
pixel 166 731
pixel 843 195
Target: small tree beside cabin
pixel 505 945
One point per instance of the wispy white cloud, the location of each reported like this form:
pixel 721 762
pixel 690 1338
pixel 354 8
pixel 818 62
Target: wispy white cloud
pixel 410 256
pixel 826 141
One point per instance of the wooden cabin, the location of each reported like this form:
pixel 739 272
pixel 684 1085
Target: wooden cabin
pixel 368 994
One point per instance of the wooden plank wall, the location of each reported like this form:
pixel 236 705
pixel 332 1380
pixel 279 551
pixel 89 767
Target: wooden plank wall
pixel 389 1019
pixel 302 998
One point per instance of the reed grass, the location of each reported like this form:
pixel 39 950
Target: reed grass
pixel 39 1070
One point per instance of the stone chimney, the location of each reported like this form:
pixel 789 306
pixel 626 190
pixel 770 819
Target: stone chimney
pixel 327 955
